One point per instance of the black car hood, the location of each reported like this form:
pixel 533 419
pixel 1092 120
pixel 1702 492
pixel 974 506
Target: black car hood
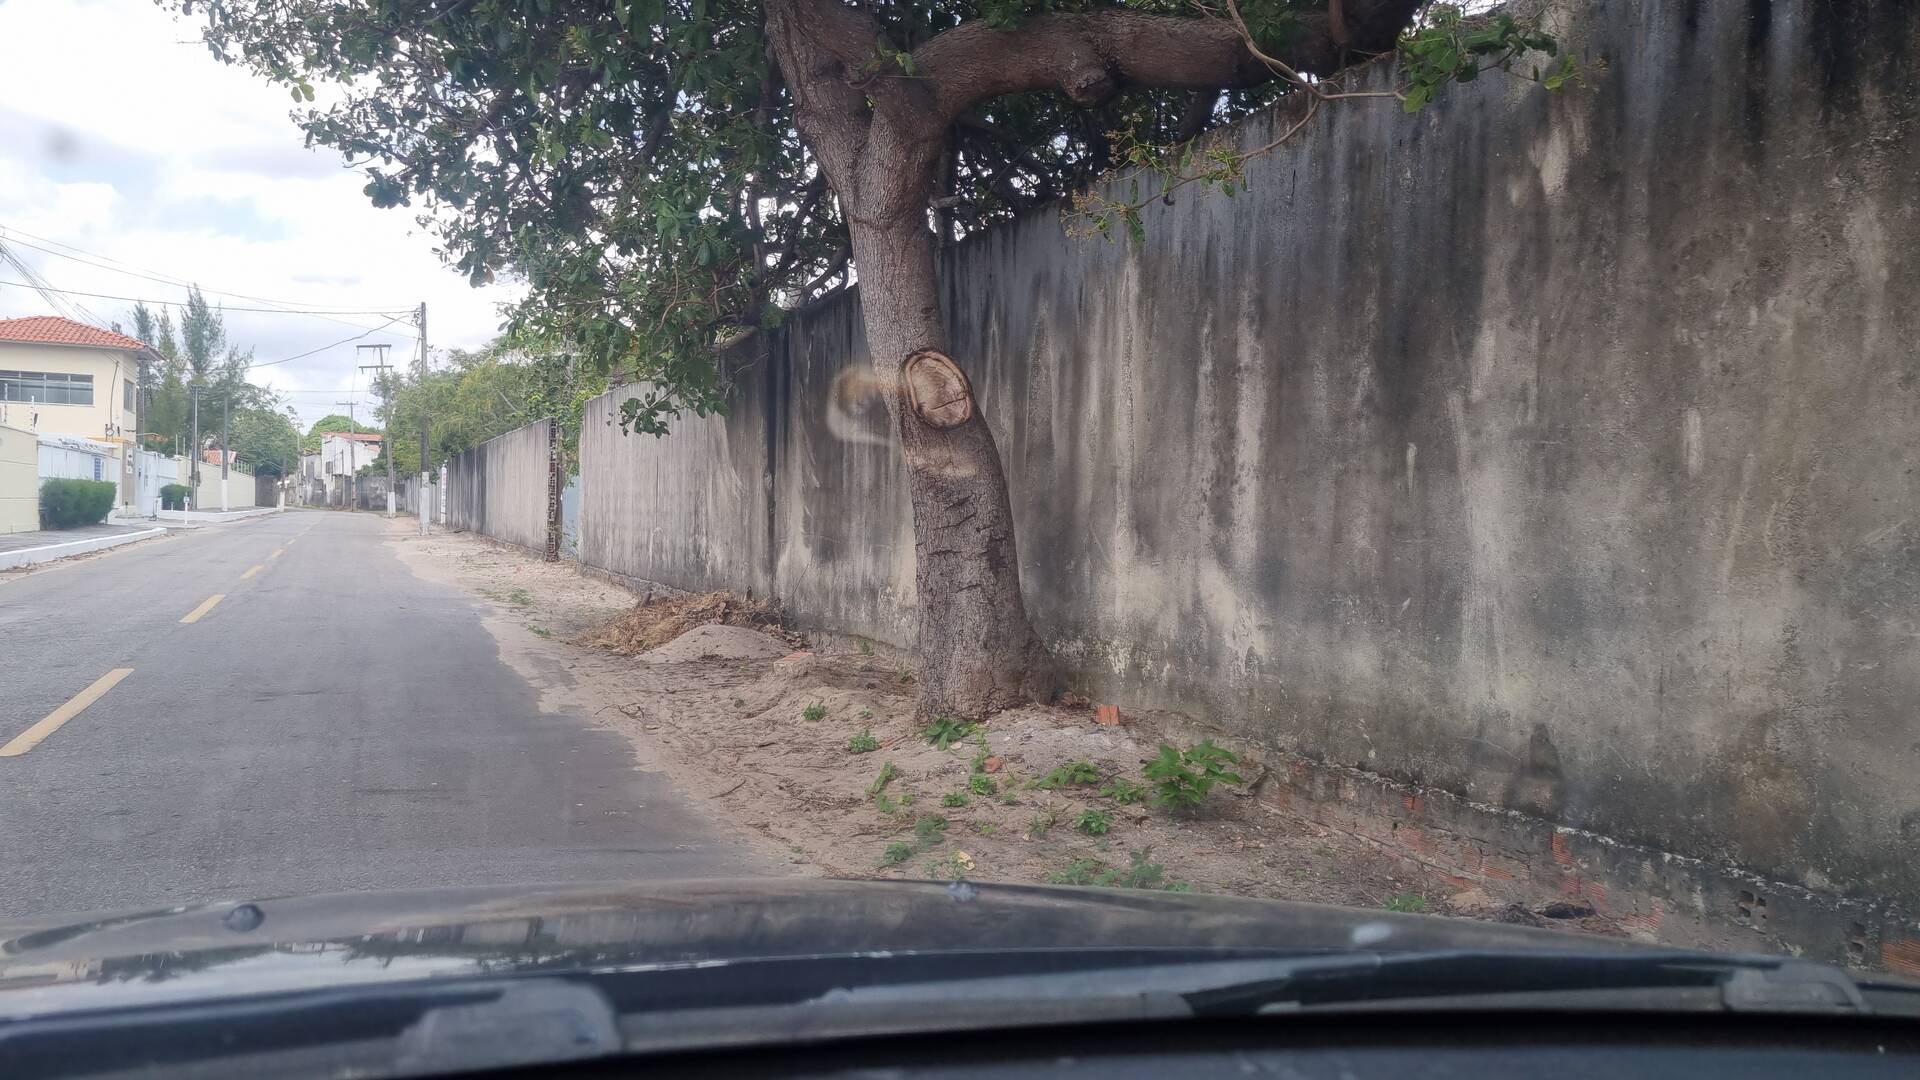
pixel 300 943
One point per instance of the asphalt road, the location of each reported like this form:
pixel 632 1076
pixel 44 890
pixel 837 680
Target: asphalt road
pixel 332 723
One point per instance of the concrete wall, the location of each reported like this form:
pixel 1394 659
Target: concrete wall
pixel 19 480
pixel 240 485
pixel 499 488
pixel 1559 451
pixel 692 511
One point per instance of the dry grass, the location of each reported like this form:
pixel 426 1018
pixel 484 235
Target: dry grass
pixel 658 620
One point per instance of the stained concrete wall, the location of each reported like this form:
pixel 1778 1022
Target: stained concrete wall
pixel 499 488
pixel 693 510
pixel 1556 450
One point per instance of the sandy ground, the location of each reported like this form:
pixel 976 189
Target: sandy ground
pixel 757 727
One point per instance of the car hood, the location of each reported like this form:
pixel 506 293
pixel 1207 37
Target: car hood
pixel 300 943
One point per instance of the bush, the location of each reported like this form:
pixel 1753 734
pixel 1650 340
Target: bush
pixel 65 504
pixel 174 496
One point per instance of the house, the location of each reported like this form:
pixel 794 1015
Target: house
pixel 63 378
pixel 343 453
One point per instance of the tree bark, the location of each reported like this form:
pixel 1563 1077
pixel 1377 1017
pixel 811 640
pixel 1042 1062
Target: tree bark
pixel 879 137
pixel 978 652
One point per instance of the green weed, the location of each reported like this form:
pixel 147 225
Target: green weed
pixel 519 596
pixel 945 731
pixel 954 798
pixel 866 647
pixel 1077 872
pixel 903 676
pixel 897 852
pixel 541 631
pixel 863 743
pixel 1182 778
pixel 982 784
pixel 1406 902
pixel 930 829
pixel 865 714
pixel 949 867
pixel 1072 774
pixel 1125 792
pixel 985 828
pixel 1093 822
pixel 739 703
pixel 814 712
pixel 887 772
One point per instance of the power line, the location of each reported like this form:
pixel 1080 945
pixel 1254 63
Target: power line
pixel 146 272
pixel 269 363
pixel 403 313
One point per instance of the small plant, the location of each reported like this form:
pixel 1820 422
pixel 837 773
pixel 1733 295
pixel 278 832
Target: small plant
pixel 1182 778
pixel 885 805
pixel 982 784
pixel 519 597
pixel 865 714
pixel 814 713
pixel 1093 822
pixel 985 828
pixel 897 852
pixel 866 647
pixel 952 866
pixel 1125 792
pixel 945 731
pixel 906 798
pixel 1072 774
pixel 1041 822
pixel 954 798
pixel 930 829
pixel 1407 903
pixel 739 703
pixel 1139 874
pixel 903 676
pixel 980 755
pixel 887 772
pixel 863 743
pixel 541 631
pixel 1077 872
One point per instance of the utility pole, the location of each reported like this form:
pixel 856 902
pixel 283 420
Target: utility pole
pixel 193 466
pixel 351 443
pixel 386 400
pixel 226 417
pixel 423 502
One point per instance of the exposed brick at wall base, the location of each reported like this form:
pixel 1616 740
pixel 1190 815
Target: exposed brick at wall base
pixel 1652 895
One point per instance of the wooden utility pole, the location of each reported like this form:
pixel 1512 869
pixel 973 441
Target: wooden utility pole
pixel 424 500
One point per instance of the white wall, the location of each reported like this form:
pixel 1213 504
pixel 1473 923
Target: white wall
pixel 19 480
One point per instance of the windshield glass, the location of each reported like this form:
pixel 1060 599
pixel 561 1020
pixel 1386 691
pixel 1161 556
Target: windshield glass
pixel 1429 460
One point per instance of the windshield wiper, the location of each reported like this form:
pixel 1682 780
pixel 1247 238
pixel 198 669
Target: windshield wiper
pixel 1745 983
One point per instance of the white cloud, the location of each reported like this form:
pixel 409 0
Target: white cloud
pixel 142 148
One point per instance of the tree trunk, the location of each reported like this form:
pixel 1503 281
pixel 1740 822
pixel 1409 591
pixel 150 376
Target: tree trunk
pixel 978 652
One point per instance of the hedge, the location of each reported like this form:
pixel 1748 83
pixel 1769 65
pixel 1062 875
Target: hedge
pixel 174 496
pixel 67 503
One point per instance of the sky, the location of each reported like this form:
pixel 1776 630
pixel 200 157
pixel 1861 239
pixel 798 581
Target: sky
pixel 122 137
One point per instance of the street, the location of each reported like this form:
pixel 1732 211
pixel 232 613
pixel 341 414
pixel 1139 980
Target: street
pixel 281 706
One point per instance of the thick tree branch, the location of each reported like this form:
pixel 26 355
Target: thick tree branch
pixel 1088 57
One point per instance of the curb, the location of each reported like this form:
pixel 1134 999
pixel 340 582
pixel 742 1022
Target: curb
pixel 49 552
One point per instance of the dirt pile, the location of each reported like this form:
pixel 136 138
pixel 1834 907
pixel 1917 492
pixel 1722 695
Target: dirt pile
pixel 658 620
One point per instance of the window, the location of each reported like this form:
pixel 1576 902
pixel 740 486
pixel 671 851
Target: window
pixel 126 388
pixel 51 387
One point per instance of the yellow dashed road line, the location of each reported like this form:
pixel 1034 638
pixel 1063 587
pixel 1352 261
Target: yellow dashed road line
pixel 206 605
pixel 32 737
pixel 252 570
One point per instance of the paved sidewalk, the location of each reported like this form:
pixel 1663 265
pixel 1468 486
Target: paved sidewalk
pixel 46 545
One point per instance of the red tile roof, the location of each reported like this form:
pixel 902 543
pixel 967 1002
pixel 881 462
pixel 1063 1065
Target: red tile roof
pixel 54 330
